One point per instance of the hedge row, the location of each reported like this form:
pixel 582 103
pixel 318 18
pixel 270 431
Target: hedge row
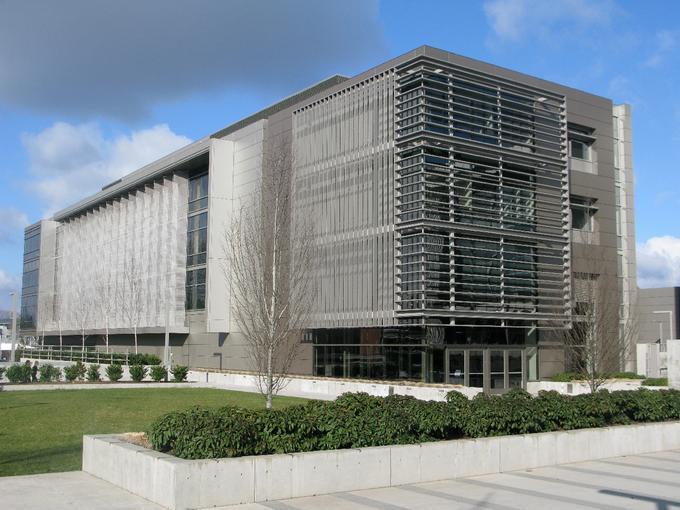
pixel 21 373
pixel 574 376
pixel 360 420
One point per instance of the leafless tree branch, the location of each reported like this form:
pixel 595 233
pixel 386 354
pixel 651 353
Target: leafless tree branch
pixel 270 253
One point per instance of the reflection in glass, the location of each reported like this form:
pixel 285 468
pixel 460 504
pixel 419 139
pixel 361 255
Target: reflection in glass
pixel 476 363
pixel 457 367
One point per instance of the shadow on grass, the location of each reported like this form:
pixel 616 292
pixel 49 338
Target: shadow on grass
pixel 27 404
pixel 21 462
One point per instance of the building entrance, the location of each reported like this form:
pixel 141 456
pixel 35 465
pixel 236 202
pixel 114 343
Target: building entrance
pixel 496 369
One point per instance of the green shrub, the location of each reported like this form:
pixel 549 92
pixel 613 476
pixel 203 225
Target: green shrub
pixel 143 359
pixel 289 430
pixel 114 372
pixel 655 381
pixel 361 420
pixel 49 373
pixel 625 375
pixel 642 406
pixel 568 377
pixel 2 372
pixel 158 373
pixel 672 403
pixel 93 374
pixel 201 433
pixel 138 372
pixel 19 373
pixel 75 372
pixel 179 373
pixel 512 413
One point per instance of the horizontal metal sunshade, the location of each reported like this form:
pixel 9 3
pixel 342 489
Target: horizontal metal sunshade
pixel 481 199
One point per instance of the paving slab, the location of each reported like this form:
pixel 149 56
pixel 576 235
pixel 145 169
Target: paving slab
pixel 74 490
pixel 648 481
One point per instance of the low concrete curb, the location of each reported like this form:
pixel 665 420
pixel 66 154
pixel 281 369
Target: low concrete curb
pixel 179 484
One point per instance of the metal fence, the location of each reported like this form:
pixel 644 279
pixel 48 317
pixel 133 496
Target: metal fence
pixel 74 353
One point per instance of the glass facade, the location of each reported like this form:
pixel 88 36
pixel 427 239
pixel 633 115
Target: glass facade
pixel 479 357
pixel 29 288
pixel 197 242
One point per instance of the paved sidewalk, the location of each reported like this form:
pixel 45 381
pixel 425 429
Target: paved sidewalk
pixel 647 481
pixel 75 490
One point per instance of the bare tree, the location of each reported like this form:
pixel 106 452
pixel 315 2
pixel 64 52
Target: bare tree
pixel 130 296
pixel 599 340
pixel 269 268
pixel 45 305
pixel 105 300
pixel 81 308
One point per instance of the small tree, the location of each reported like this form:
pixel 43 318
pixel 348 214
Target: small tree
pixel 599 339
pixel 105 299
pixel 131 298
pixel 269 267
pixel 81 308
pixel 45 304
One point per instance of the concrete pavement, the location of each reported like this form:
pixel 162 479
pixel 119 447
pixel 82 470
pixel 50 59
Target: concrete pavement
pixel 74 490
pixel 647 481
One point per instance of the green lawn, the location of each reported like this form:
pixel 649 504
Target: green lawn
pixel 41 431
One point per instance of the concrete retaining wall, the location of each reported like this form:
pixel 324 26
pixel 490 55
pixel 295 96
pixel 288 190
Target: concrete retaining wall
pixel 673 347
pixel 327 388
pixel 179 484
pixel 578 388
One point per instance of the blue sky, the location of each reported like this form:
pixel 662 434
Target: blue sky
pixel 92 89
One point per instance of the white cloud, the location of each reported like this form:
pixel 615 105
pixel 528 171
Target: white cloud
pixel 658 262
pixel 512 20
pixel 8 283
pixel 666 41
pixel 11 222
pixel 69 162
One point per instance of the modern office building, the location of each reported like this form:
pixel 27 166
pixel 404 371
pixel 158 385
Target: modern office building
pixel 458 208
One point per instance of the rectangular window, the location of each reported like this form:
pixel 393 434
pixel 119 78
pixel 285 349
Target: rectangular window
pixel 198 193
pixel 582 213
pixel 579 149
pixel 197 243
pixel 195 289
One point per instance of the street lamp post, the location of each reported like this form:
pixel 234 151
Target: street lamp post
pixel 14 325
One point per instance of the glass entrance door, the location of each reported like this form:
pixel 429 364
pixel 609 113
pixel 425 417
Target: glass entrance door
pixel 496 370
pixel 456 369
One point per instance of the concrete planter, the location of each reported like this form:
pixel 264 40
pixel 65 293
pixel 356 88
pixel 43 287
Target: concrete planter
pixel 178 484
pixel 580 387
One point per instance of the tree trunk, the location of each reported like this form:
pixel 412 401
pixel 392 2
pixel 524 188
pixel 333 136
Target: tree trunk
pixel 107 334
pixel 135 328
pixel 82 352
pixel 270 379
